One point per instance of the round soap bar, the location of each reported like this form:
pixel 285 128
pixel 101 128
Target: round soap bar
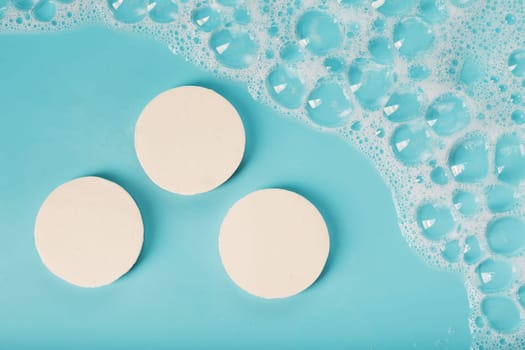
pixel 189 140
pixel 273 243
pixel 89 232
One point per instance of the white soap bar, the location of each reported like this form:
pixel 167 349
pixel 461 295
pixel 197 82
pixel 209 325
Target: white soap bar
pixel 189 140
pixel 273 243
pixel 89 232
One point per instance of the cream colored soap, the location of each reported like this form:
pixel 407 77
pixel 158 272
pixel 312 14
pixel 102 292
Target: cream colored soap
pixel 273 243
pixel 189 140
pixel 89 232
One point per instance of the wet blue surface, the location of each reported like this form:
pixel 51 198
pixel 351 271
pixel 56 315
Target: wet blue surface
pixel 69 103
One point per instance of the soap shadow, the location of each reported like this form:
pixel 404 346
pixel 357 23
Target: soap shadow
pixel 147 211
pixel 241 100
pixel 334 227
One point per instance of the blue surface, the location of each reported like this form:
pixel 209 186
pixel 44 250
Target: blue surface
pixel 68 105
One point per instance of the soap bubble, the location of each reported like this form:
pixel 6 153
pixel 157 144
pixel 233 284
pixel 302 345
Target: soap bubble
pixel 472 252
pixel 129 11
pixel 233 49
pixel 494 275
pixel 433 11
pixel 285 87
pixel 3 8
pixel 468 159
pixel 506 235
pixel 393 7
pixel 435 221
pixel 369 82
pixel 328 106
pixel 412 37
pixel 465 202
pixel 516 62
pixel 44 10
pixel 403 106
pixel 206 18
pixel 501 198
pixel 318 32
pixel 163 11
pixel 381 50
pixel 24 5
pixel 510 159
pixel 501 313
pixel 447 115
pixel 411 145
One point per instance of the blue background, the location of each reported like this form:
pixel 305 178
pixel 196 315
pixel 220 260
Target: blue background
pixel 68 106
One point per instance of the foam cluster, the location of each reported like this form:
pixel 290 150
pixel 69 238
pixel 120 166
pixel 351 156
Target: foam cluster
pixel 431 91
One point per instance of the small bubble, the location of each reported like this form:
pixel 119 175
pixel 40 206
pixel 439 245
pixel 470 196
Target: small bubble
pixel 435 221
pixel 510 18
pixel 403 106
pixel 418 72
pixel 411 145
pixel 233 49
pixel 379 25
pixel 412 37
pixel 468 159
pixel 451 251
pixel 439 176
pixel 510 159
pixel 447 115
pixel 44 10
pixel 502 314
pixel 334 64
pixel 206 19
pixel 521 295
pixel 328 106
pixel 471 71
pixel 285 87
pixel 3 8
pixel 369 82
pixel 494 275
pixel 242 15
pixel 472 252
pixel 506 235
pixel 516 62
pixel 129 11
pixel 501 198
pixel 163 11
pixel 381 50
pixel 433 11
pixel 465 202
pixel 479 322
pixel 24 5
pixel 291 53
pixel 318 32
pixel 393 7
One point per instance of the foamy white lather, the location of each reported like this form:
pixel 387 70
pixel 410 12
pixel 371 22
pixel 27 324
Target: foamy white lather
pixel 273 243
pixel 189 140
pixel 89 232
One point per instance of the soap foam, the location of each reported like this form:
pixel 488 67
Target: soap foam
pixel 462 60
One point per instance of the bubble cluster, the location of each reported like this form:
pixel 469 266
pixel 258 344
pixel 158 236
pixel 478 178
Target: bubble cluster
pixel 430 90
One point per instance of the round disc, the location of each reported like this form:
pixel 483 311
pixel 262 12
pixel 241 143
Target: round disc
pixel 273 243
pixel 89 232
pixel 189 140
